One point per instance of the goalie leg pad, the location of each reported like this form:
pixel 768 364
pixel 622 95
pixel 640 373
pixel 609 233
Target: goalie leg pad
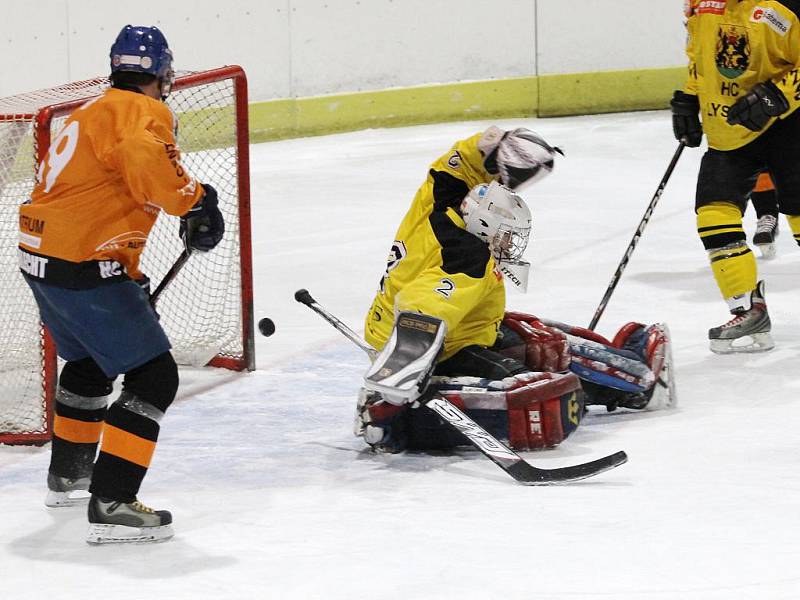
pixel 619 368
pixel 652 344
pixel 542 409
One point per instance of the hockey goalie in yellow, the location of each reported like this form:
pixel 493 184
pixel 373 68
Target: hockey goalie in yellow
pixel 436 267
pixel 440 323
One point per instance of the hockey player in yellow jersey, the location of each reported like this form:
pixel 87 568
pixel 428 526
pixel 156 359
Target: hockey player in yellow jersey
pixel 744 83
pixel 440 322
pixel 108 174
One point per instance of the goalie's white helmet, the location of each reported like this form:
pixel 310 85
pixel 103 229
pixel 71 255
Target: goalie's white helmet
pixel 500 218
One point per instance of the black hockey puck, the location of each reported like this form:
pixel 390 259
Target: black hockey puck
pixel 266 327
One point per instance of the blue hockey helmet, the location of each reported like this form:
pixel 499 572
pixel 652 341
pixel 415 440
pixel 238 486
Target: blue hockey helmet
pixel 143 50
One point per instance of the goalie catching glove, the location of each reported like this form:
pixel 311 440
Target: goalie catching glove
pixel 202 227
pixel 519 157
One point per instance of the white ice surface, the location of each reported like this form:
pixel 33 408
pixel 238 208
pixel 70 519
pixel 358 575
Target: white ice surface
pixel 273 497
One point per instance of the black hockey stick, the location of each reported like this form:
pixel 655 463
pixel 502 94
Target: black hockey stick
pixel 639 230
pixel 173 271
pixel 508 460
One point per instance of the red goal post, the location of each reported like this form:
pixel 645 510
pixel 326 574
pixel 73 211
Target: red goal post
pixel 207 311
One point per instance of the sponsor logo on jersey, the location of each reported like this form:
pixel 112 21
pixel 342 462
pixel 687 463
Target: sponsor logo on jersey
pixel 772 18
pixel 733 51
pixel 109 268
pixel 33 265
pixel 454 162
pixel 130 239
pixel 31 225
pixel 710 7
pixel 30 240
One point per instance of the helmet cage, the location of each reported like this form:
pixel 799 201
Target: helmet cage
pixel 509 243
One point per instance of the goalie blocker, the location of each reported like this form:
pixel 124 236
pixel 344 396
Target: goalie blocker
pixel 531 410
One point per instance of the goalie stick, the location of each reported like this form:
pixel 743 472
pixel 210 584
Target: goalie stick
pixel 505 458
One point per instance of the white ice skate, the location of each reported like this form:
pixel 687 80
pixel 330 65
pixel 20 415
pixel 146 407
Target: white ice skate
pixel 764 238
pixel 63 492
pixel 113 522
pixel 748 331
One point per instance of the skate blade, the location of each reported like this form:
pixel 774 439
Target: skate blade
pixel 100 533
pixel 758 342
pixel 768 251
pixel 67 499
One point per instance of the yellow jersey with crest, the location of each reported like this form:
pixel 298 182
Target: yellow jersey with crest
pixel 436 267
pixel 109 172
pixel 732 45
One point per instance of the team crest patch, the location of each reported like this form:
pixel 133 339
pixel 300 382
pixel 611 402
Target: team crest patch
pixel 772 18
pixel 710 7
pixel 733 51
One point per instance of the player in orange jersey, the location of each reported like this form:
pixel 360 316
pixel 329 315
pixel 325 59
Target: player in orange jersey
pixel 109 172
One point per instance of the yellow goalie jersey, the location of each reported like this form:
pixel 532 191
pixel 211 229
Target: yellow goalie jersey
pixel 733 45
pixel 436 267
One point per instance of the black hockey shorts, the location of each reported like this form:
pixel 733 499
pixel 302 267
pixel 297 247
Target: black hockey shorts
pixel 729 176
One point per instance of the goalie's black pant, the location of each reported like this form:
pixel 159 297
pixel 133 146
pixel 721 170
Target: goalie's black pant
pixel 487 363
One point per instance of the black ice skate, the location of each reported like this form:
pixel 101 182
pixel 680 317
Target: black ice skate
pixel 764 238
pixel 113 522
pixel 747 331
pixel 63 491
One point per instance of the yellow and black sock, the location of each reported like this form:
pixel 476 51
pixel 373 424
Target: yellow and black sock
pixel 719 225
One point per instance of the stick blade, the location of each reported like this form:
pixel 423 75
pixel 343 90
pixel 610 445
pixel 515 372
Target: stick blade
pixel 529 475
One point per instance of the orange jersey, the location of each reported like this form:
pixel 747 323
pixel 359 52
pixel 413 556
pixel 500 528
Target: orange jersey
pixel 107 175
pixel 764 183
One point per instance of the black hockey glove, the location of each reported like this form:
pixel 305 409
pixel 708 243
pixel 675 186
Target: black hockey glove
pixel 686 118
pixel 202 227
pixel 758 106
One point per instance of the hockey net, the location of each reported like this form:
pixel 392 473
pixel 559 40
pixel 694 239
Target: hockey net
pixel 206 310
